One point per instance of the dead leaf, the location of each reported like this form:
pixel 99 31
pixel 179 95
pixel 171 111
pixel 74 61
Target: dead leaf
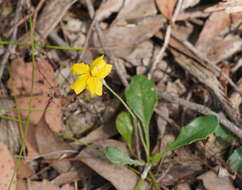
pixel 218 22
pixel 51 15
pixel 9 130
pixel 83 172
pixel 52 146
pixel 20 83
pixel 135 9
pixel 220 49
pixel 212 181
pixel 107 8
pixel 7 165
pixel 166 7
pixel 121 177
pixel 189 3
pixel 46 185
pixel 101 133
pixel 24 171
pixel 126 37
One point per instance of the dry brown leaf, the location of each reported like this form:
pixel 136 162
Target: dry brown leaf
pixel 166 7
pixel 40 185
pixel 24 171
pixel 9 131
pixel 189 3
pixel 229 6
pixel 20 84
pixel 51 15
pixel 218 22
pixel 52 146
pixel 220 49
pixel 83 172
pixel 135 9
pixel 7 165
pixel 121 177
pixel 212 181
pixel 126 37
pixel 101 133
pixel 107 8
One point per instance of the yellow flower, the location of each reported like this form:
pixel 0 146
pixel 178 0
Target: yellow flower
pixel 90 76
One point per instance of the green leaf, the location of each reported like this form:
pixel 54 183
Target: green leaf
pixel 235 159
pixel 116 156
pixel 196 130
pixel 124 126
pixel 223 135
pixel 141 97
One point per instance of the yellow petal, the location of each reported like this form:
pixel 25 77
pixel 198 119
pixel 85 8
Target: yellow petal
pixel 94 86
pixel 97 65
pixel 80 68
pixel 80 84
pixel 104 71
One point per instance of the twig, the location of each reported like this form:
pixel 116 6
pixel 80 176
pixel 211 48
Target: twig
pixel 167 38
pixel 39 6
pixel 202 109
pixel 13 38
pixel 200 56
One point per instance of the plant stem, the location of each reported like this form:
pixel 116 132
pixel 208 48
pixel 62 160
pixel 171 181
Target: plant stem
pixel 120 99
pixel 146 146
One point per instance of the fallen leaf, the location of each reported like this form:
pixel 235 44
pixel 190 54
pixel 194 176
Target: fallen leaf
pixel 212 181
pixel 7 165
pixel 101 133
pixel 126 37
pixel 135 9
pixel 217 23
pixel 107 8
pixel 52 147
pixel 220 49
pixel 189 3
pixel 20 84
pixel 40 185
pixel 51 15
pixel 9 130
pixel 121 177
pixel 166 7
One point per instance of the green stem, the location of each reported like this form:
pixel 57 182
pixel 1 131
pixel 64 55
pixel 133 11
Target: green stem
pixel 41 45
pixel 146 146
pixel 120 99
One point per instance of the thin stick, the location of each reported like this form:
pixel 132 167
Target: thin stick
pixel 166 40
pixel 204 110
pixel 14 35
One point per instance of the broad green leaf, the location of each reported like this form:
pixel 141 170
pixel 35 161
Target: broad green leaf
pixel 235 159
pixel 141 97
pixel 116 156
pixel 124 126
pixel 223 135
pixel 196 130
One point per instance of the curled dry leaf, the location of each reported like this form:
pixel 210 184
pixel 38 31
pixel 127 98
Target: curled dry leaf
pixel 121 177
pixel 52 15
pixel 7 165
pixel 107 8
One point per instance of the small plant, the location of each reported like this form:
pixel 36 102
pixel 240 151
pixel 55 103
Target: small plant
pixel 140 101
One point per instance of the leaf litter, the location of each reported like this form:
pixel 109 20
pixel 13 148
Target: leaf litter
pixel 201 63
